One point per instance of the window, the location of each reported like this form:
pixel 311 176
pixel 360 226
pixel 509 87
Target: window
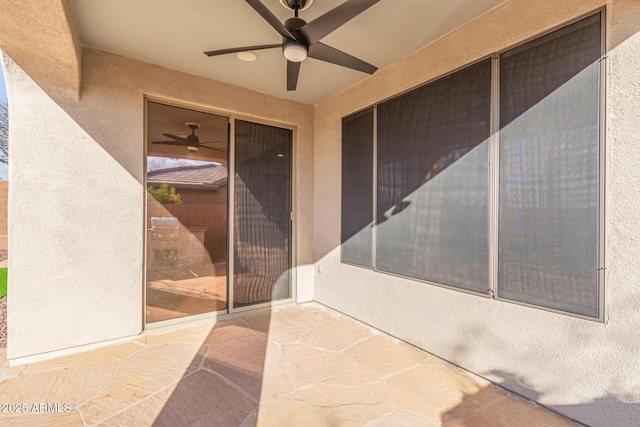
pixel 357 189
pixel 549 170
pixel 433 181
pixel 435 148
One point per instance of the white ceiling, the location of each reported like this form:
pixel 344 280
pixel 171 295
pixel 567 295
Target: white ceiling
pixel 174 34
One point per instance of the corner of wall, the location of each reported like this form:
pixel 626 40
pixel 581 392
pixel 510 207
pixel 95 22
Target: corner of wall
pixel 75 39
pixel 43 40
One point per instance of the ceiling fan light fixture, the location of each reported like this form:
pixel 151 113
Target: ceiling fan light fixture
pixel 247 56
pixel 295 52
pixel 192 148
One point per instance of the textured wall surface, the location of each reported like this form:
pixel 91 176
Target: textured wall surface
pixel 76 211
pixel 587 370
pixel 75 259
pixel 45 39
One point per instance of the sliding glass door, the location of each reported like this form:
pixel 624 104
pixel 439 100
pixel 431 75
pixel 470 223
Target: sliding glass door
pixel 186 224
pixel 219 213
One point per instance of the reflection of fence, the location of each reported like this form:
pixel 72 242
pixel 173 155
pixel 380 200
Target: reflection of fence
pixel 4 188
pixel 211 217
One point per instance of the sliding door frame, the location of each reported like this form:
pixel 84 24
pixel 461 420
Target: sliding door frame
pixel 230 310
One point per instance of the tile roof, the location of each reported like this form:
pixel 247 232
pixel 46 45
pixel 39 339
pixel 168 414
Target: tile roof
pixel 205 175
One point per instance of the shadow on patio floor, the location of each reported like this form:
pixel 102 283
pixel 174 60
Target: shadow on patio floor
pixel 300 365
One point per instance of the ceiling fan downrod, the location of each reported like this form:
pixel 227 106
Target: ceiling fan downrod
pixel 296 5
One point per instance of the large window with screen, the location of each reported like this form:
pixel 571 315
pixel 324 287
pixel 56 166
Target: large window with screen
pixel 549 144
pixel 488 179
pixel 357 189
pixel 433 181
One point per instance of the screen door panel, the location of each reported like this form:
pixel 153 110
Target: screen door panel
pixel 262 214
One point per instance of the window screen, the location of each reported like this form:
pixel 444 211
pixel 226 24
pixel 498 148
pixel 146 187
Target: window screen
pixel 548 191
pixel 433 183
pixel 357 188
pixel 262 214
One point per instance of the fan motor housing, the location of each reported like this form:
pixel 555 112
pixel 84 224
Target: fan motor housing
pixel 294 24
pixel 287 42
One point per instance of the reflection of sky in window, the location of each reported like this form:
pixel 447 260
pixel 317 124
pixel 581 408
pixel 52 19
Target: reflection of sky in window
pixel 157 163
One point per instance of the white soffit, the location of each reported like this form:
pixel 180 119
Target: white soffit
pixel 174 34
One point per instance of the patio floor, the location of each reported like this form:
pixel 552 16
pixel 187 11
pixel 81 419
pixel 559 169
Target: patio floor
pixel 300 365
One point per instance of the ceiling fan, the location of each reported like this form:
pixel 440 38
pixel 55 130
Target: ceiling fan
pixel 301 39
pixel 191 142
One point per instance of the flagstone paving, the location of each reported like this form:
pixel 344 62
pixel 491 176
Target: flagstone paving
pixel 305 365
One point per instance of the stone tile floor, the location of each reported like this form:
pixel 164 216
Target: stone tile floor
pixel 305 365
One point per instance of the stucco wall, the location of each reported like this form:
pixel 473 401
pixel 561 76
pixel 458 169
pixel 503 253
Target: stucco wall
pixel 587 370
pixel 44 38
pixel 76 211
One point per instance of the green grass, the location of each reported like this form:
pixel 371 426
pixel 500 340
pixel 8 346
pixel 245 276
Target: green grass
pixel 3 282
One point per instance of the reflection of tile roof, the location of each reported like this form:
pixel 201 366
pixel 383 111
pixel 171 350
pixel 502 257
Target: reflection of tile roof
pixel 205 175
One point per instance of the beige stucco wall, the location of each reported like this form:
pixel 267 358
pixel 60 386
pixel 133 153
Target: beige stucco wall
pixel 44 37
pixel 77 198
pixel 584 369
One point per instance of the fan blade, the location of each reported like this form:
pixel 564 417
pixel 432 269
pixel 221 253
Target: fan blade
pixel 211 148
pixel 215 144
pixel 175 137
pixel 241 49
pixel 168 142
pixel 293 70
pixel 336 17
pixel 270 18
pixel 328 54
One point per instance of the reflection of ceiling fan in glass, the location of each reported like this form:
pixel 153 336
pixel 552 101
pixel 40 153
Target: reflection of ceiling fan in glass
pixel 301 39
pixel 191 142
